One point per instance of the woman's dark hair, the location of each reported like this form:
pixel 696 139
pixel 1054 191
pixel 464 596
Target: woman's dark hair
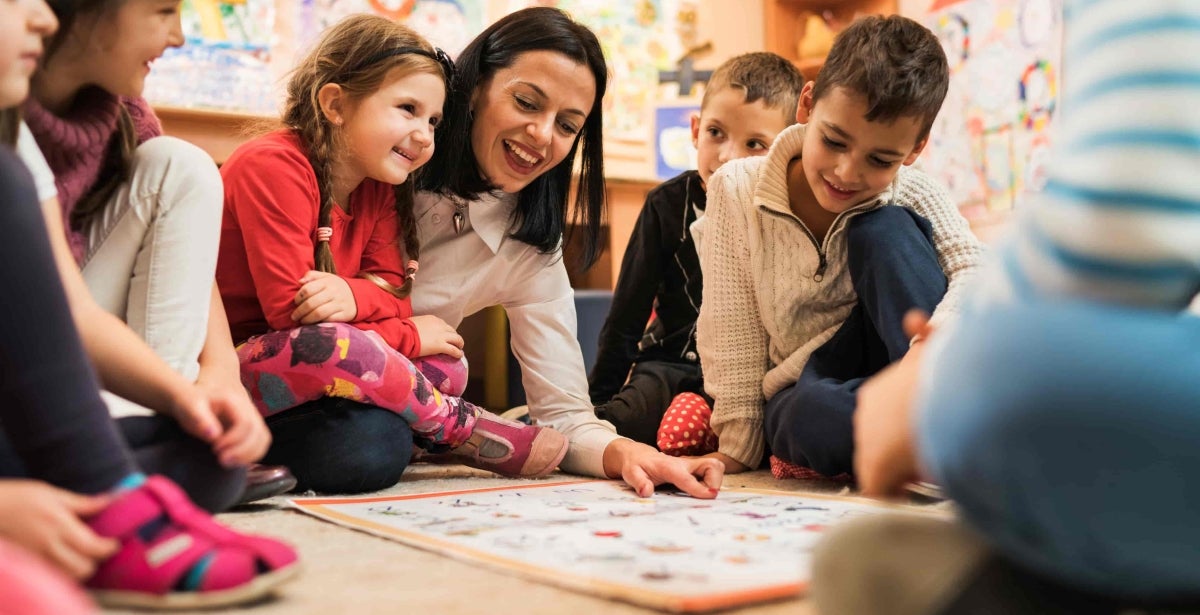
pixel 541 213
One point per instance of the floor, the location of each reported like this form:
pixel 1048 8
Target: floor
pixel 351 572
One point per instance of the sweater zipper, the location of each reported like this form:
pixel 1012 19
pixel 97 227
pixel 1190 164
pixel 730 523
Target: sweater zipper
pixel 822 261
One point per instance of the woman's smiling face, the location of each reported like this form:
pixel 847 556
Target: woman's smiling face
pixel 528 115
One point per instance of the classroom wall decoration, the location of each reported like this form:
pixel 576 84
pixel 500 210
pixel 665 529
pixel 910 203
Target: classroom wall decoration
pixel 238 52
pixel 449 24
pixel 668 551
pixel 225 62
pixel 1005 67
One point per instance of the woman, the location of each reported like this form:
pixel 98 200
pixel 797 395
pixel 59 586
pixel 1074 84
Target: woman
pixel 491 217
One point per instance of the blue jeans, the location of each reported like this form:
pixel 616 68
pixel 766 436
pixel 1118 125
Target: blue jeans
pixel 1071 440
pixel 334 445
pixel 894 269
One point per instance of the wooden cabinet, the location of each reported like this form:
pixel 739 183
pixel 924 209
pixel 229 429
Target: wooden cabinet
pixel 786 24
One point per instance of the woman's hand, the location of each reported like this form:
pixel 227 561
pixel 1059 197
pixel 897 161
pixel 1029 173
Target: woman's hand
pixel 642 467
pixel 48 521
pixel 437 337
pixel 323 297
pixel 885 456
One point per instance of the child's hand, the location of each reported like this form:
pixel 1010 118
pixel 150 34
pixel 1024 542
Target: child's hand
pixel 437 337
pixel 323 297
pixel 225 418
pixel 642 467
pixel 885 456
pixel 47 521
pixel 244 437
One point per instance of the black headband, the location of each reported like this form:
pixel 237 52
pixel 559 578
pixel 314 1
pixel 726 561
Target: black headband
pixel 437 55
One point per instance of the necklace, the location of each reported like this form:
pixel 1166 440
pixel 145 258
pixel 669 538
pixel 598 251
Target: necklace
pixel 460 215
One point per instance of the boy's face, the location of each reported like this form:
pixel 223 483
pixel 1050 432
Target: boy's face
pixel 846 158
pixel 729 128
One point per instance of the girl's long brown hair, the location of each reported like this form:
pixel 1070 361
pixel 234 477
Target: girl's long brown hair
pixel 118 159
pixel 338 58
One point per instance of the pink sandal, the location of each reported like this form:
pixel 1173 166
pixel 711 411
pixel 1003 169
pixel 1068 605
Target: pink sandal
pixel 175 556
pixel 510 448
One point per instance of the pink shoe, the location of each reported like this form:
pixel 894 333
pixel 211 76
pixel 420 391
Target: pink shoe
pixel 510 448
pixel 175 556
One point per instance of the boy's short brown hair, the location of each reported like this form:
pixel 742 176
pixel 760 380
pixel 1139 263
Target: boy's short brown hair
pixel 897 64
pixel 759 75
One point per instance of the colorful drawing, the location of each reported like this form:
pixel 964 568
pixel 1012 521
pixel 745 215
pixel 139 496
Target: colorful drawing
pixel 449 24
pixel 670 551
pixel 673 149
pixel 225 62
pixel 1004 56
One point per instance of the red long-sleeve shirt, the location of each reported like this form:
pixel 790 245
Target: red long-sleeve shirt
pixel 267 236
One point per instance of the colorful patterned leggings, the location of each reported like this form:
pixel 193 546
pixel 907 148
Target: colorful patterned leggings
pixel 284 369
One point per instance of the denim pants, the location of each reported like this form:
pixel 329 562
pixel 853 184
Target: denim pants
pixel 335 445
pixel 894 268
pixel 1069 441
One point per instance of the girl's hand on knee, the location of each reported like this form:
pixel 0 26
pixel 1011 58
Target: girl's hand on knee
pixel 437 337
pixel 47 521
pixel 244 435
pixel 323 297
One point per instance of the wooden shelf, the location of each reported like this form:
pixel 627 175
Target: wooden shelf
pixel 216 132
pixel 784 24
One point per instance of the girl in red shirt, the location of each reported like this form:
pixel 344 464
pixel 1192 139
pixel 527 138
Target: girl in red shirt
pixel 319 250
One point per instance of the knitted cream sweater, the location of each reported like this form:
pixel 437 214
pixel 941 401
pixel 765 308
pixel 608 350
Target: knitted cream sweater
pixel 766 307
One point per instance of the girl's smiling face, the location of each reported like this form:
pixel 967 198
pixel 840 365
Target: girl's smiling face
pixel 114 49
pixel 23 25
pixel 528 116
pixel 389 134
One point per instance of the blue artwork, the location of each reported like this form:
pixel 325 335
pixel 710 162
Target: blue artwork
pixel 673 149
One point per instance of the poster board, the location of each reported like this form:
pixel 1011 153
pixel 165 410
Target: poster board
pixel 669 551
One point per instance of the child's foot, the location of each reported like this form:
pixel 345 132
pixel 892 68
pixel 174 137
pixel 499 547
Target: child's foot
pixel 785 469
pixel 175 556
pixel 510 448
pixel 685 427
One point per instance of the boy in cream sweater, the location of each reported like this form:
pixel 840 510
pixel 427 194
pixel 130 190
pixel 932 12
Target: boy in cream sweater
pixel 809 264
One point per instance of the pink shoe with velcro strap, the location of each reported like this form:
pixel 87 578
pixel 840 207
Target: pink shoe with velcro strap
pixel 175 556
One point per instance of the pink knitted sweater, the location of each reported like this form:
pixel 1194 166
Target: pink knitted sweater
pixel 75 145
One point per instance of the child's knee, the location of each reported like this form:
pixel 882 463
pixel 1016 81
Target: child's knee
pixel 878 229
pixel 174 166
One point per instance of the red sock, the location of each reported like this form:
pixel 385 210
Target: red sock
pixel 685 427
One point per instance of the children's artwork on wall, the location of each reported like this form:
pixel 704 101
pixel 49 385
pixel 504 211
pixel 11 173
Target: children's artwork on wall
pixel 673 149
pixel 238 52
pixel 449 24
pixel 1005 59
pixel 225 62
pixel 668 551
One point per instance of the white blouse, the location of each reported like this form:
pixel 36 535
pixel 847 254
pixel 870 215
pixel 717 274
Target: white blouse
pixel 462 273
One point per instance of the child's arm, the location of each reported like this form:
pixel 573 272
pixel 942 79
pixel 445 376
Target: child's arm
pixel 641 272
pixel 959 251
pixel 273 193
pixel 730 335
